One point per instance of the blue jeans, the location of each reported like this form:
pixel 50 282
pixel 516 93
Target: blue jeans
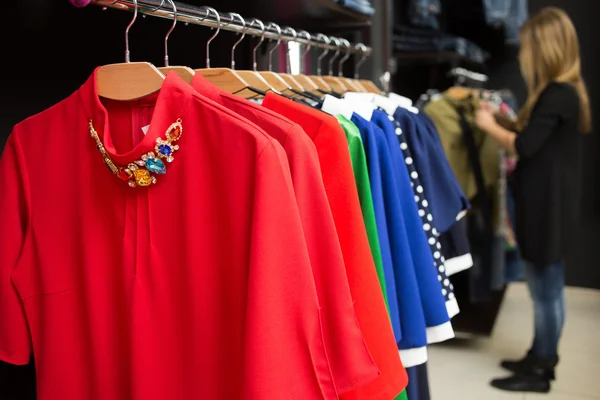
pixel 510 13
pixel 424 13
pixel 546 286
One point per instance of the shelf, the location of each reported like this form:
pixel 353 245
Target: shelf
pixel 309 14
pixel 432 58
pixel 322 6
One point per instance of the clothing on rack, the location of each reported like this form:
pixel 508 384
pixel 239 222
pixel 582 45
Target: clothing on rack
pixel 414 40
pixel 510 14
pixel 363 185
pixel 412 338
pixel 248 173
pixel 181 252
pixel 439 327
pixel 384 154
pixel 81 320
pixel 418 386
pixel 412 391
pixel 445 113
pixel 361 6
pixel 478 163
pixel 361 173
pixel 456 248
pixel 338 177
pixel 386 242
pixel 421 198
pixel 424 13
pixel 319 230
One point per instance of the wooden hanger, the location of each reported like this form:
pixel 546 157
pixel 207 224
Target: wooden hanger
pixel 185 73
pixel 302 79
pixel 368 85
pixel 252 77
pixel 353 85
pixel 225 79
pixel 322 86
pixel 274 79
pixel 128 81
pixel 288 77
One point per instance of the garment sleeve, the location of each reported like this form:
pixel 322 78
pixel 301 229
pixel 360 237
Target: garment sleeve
pixel 349 358
pixel 554 104
pixel 284 350
pixel 14 213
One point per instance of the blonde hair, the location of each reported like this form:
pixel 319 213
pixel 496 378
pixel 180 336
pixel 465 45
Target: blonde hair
pixel 550 52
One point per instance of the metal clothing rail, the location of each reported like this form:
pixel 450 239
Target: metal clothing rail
pixel 201 16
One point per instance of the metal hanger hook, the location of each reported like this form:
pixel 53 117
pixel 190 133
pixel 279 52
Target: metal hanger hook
pixel 346 43
pixel 262 39
pixel 135 14
pixel 362 48
pixel 338 50
pixel 272 49
pixel 306 50
pixel 218 19
pixel 327 41
pixel 294 34
pixel 172 3
pixel 232 16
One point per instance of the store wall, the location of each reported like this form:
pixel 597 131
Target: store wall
pixel 582 268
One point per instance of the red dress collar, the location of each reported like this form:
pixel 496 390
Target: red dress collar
pixel 171 104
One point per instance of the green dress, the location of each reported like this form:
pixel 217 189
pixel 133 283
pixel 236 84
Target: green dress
pixel 363 184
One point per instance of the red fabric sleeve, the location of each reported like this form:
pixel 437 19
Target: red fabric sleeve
pixel 284 348
pixel 15 347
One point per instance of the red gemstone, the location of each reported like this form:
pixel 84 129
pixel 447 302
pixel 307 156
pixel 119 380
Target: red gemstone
pixel 124 175
pixel 175 133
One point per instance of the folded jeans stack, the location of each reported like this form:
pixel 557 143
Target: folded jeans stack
pixel 424 13
pixel 508 13
pixel 414 40
pixel 361 6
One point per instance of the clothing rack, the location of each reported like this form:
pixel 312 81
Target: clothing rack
pixel 190 14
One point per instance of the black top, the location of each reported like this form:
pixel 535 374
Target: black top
pixel 548 176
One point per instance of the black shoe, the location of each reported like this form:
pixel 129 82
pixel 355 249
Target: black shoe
pixel 519 366
pixel 532 365
pixel 523 383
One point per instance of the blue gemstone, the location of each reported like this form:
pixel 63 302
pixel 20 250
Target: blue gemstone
pixel 165 149
pixel 156 166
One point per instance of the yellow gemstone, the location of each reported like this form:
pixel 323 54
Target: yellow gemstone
pixel 142 177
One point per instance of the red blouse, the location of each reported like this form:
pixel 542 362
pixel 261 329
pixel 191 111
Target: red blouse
pixel 198 287
pixel 349 358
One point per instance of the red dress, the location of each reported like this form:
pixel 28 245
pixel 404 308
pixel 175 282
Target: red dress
pixel 197 287
pixel 338 177
pixel 349 358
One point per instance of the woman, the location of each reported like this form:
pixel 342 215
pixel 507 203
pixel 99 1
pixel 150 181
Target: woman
pixel 547 181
